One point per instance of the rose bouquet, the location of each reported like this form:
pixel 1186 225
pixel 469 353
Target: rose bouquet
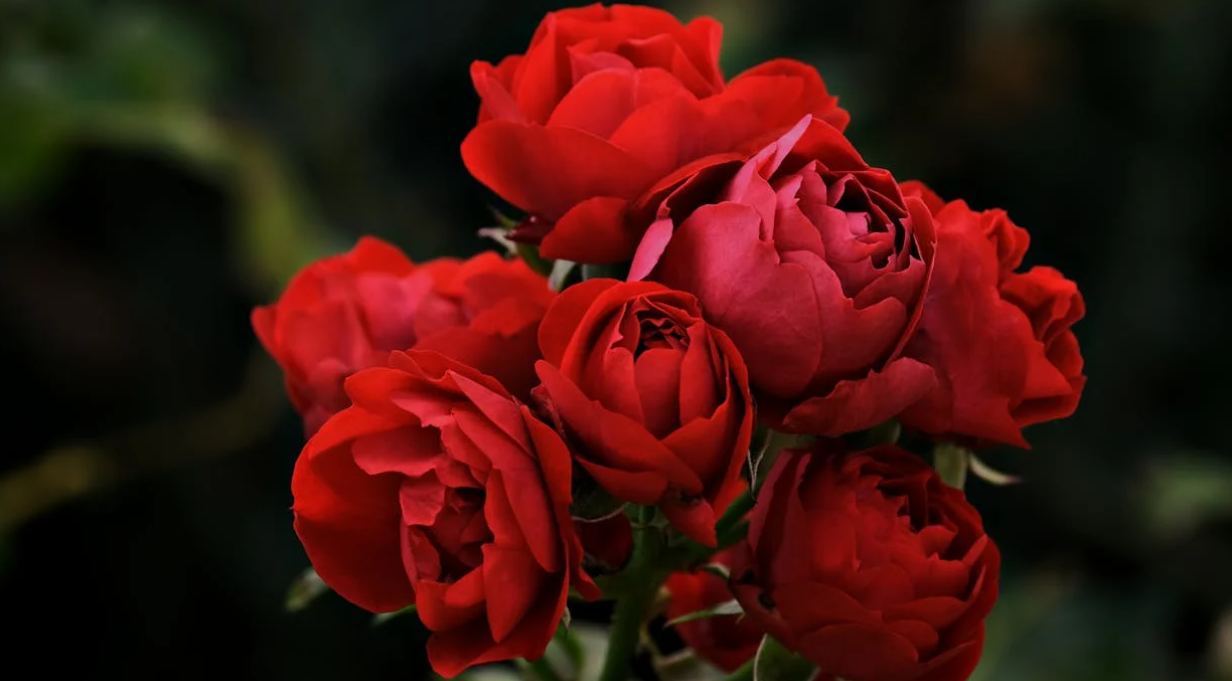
pixel 700 382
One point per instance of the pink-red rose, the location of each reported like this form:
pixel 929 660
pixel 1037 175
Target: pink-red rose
pixel 348 312
pixel 1000 341
pixel 436 488
pixel 653 400
pixel 814 264
pixel 606 102
pixel 867 564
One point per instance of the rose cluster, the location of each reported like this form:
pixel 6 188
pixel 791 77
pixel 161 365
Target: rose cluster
pixel 731 274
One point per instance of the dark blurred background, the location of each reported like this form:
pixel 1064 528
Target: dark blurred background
pixel 164 166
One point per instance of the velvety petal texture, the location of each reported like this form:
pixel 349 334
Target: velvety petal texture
pixel 726 641
pixel 1000 341
pixel 437 488
pixel 869 565
pixel 653 400
pixel 814 264
pixel 604 103
pixel 348 312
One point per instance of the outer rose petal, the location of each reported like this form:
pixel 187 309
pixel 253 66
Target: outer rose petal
pixel 860 404
pixel 348 521
pixel 1005 359
pixel 557 168
pixel 784 89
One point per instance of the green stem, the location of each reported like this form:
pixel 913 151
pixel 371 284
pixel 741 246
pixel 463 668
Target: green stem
pixel 643 578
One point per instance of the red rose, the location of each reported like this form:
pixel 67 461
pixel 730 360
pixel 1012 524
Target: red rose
pixel 868 565
pixel 726 641
pixel 347 312
pixel 814 264
pixel 1000 341
pixel 605 102
pixel 653 400
pixel 437 488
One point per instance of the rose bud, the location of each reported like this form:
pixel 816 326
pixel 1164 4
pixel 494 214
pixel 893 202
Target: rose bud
pixel 867 564
pixel 726 641
pixel 653 400
pixel 1000 341
pixel 814 264
pixel 605 102
pixel 436 488
pixel 347 312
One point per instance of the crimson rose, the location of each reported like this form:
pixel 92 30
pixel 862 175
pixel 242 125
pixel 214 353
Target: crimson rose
pixel 814 264
pixel 653 400
pixel 605 102
pixel 1000 341
pixel 347 312
pixel 726 641
pixel 436 488
pixel 869 565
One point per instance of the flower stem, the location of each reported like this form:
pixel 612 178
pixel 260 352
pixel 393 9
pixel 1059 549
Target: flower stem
pixel 643 578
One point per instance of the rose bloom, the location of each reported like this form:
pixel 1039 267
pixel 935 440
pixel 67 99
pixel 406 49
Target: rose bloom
pixel 726 641
pixel 814 264
pixel 867 564
pixel 347 312
pixel 436 488
pixel 999 340
pixel 604 103
pixel 653 400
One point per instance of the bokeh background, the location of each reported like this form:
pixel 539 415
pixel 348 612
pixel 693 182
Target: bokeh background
pixel 164 166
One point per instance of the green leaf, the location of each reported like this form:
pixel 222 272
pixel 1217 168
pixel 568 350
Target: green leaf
pixel 572 647
pixel 723 609
pixel 538 263
pixel 951 462
pixel 592 503
pixel 304 590
pixel 776 663
pixel 383 617
pixel 503 221
pixel 718 570
pixel 604 272
pixel 561 269
pixel 883 434
pixel 592 640
pixel 497 234
pixel 686 666
pixel 989 474
pixel 539 670
pixel 762 459
pixel 487 672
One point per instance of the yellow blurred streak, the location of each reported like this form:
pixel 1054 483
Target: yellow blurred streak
pixel 69 472
pixel 276 233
